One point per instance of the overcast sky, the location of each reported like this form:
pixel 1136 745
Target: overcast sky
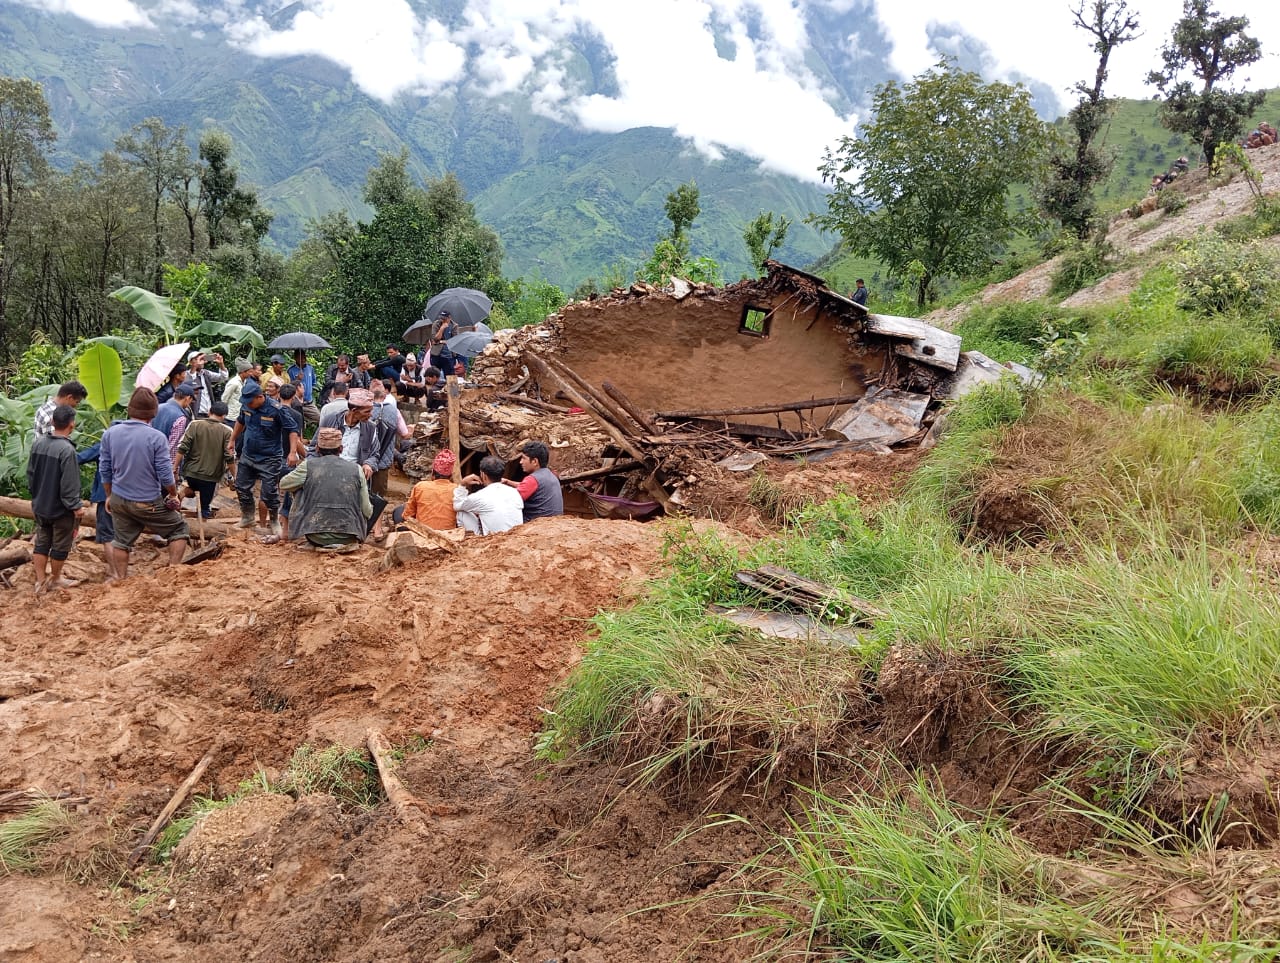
pixel 670 71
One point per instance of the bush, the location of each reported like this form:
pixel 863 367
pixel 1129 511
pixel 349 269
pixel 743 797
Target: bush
pixel 1220 276
pixel 1081 266
pixel 1012 331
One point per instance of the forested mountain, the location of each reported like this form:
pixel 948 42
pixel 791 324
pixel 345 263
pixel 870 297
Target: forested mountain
pixel 564 201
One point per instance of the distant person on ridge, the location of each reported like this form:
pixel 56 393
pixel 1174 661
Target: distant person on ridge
pixel 860 294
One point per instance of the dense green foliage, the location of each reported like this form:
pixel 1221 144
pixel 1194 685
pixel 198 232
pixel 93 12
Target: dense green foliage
pixel 926 179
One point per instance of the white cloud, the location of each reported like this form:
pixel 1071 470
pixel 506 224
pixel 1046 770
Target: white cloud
pixel 666 68
pixel 100 13
pixel 384 44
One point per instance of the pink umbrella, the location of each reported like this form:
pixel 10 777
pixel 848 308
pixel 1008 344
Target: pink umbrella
pixel 156 371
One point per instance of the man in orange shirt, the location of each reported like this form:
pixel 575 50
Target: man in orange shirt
pixel 431 502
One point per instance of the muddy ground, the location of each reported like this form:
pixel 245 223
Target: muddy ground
pixel 114 692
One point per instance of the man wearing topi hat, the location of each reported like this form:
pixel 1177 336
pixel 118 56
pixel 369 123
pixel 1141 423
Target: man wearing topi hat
pixel 431 502
pixel 365 441
pixel 137 476
pixel 331 507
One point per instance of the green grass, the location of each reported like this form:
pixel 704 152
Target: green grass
pixel 23 836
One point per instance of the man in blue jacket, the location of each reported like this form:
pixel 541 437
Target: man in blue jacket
pixel 268 432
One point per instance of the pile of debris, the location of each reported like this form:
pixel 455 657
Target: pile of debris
pixel 620 458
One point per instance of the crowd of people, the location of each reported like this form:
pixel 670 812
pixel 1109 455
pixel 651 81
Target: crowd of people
pixel 206 426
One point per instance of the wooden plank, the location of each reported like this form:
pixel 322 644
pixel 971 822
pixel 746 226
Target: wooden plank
pixel 745 431
pixel 618 468
pixel 761 409
pixel 927 344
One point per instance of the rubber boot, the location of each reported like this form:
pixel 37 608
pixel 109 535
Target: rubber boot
pixel 247 519
pixel 274 521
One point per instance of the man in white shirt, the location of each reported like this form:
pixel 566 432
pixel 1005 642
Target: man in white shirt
pixel 495 507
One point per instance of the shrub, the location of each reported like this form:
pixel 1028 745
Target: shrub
pixel 1081 265
pixel 1220 276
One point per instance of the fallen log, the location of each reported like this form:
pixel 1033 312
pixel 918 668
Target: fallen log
pixel 21 508
pixel 16 507
pixel 760 409
pixel 407 805
pixel 15 555
pixel 140 851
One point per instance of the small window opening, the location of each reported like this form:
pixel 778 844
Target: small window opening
pixel 755 321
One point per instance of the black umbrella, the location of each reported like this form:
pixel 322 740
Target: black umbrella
pixel 420 331
pixel 465 305
pixel 471 343
pixel 299 341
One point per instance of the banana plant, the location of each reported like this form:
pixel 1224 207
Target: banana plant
pixel 157 310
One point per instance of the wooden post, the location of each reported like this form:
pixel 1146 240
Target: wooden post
pixel 455 443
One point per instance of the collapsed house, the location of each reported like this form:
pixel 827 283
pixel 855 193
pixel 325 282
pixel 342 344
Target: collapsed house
pixel 638 391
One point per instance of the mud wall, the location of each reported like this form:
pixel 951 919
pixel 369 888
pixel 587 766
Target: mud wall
pixel 690 354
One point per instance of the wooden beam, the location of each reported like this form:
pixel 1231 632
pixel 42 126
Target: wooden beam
pixel 619 468
pixel 618 395
pixel 533 403
pixel 762 409
pixel 745 431
pixel 603 403
pixel 16 507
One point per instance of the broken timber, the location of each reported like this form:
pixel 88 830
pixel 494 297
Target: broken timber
pixel 140 851
pixel 407 806
pixel 620 434
pixel 927 344
pixel 806 593
pixel 760 409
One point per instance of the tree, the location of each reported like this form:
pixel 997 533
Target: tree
pixel 764 235
pixel 163 157
pixel 26 132
pixel 1074 171
pixel 421 240
pixel 1212 47
pixel 682 209
pixel 926 180
pixel 231 210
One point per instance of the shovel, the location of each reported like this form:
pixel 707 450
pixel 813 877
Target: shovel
pixel 207 550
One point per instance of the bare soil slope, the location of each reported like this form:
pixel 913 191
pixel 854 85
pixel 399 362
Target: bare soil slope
pixel 114 692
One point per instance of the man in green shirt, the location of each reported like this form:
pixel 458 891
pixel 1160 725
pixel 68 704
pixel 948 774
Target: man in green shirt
pixel 203 456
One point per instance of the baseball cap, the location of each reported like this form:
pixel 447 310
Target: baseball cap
pixel 277 359
pixel 250 390
pixel 184 390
